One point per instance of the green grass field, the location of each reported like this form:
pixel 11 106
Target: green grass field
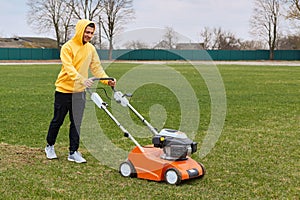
pixel 256 157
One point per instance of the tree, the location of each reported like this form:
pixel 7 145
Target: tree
pixel 170 38
pixel 115 14
pixel 218 39
pixel 66 24
pixel 265 22
pixel 206 36
pixel 46 15
pixel 85 9
pixel 292 13
pixel 88 9
pixel 228 41
pixel 60 16
pixel 136 44
pixel 252 45
pixel 294 9
pixel 289 42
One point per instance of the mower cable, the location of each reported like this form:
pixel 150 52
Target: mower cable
pixel 101 88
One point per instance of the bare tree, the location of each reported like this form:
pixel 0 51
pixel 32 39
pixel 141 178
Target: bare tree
pixel 252 45
pixel 218 39
pixel 60 16
pixel 88 9
pixel 67 24
pixel 217 34
pixel 294 9
pixel 206 36
pixel 265 22
pixel 289 42
pixel 46 15
pixel 115 14
pixel 228 41
pixel 170 37
pixel 136 44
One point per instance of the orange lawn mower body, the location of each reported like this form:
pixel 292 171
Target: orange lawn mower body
pixel 151 166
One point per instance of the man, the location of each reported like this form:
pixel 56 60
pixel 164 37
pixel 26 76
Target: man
pixel 77 57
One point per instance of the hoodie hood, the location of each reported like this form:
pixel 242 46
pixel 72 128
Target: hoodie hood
pixel 79 30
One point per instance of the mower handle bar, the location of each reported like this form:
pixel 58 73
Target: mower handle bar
pixel 103 79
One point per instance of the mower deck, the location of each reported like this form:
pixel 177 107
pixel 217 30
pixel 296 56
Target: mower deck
pixel 149 165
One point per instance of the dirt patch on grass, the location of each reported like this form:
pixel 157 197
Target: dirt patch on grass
pixel 14 156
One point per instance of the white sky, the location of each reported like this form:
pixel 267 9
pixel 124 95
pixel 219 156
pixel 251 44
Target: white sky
pixel 187 17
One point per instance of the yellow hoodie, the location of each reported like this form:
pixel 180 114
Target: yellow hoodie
pixel 77 58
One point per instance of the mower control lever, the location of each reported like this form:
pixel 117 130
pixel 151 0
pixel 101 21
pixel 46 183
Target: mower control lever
pixel 127 95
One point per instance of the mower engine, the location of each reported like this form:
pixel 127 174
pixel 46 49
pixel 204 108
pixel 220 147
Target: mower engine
pixel 175 144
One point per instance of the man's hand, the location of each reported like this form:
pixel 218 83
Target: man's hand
pixel 88 82
pixel 112 83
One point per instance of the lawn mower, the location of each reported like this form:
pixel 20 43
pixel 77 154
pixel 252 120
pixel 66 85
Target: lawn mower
pixel 166 159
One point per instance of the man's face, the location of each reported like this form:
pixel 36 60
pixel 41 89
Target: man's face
pixel 88 34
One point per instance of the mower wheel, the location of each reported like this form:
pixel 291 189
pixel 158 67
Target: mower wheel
pixel 203 169
pixel 172 176
pixel 126 169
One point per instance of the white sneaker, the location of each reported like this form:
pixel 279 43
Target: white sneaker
pixel 76 157
pixel 50 152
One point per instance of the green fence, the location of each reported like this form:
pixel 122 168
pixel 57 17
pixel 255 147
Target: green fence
pixel 154 54
pixel 28 54
pixel 151 54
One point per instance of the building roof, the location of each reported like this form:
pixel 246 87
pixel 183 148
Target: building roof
pixel 27 42
pixel 190 46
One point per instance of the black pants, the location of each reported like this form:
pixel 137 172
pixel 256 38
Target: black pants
pixel 64 103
